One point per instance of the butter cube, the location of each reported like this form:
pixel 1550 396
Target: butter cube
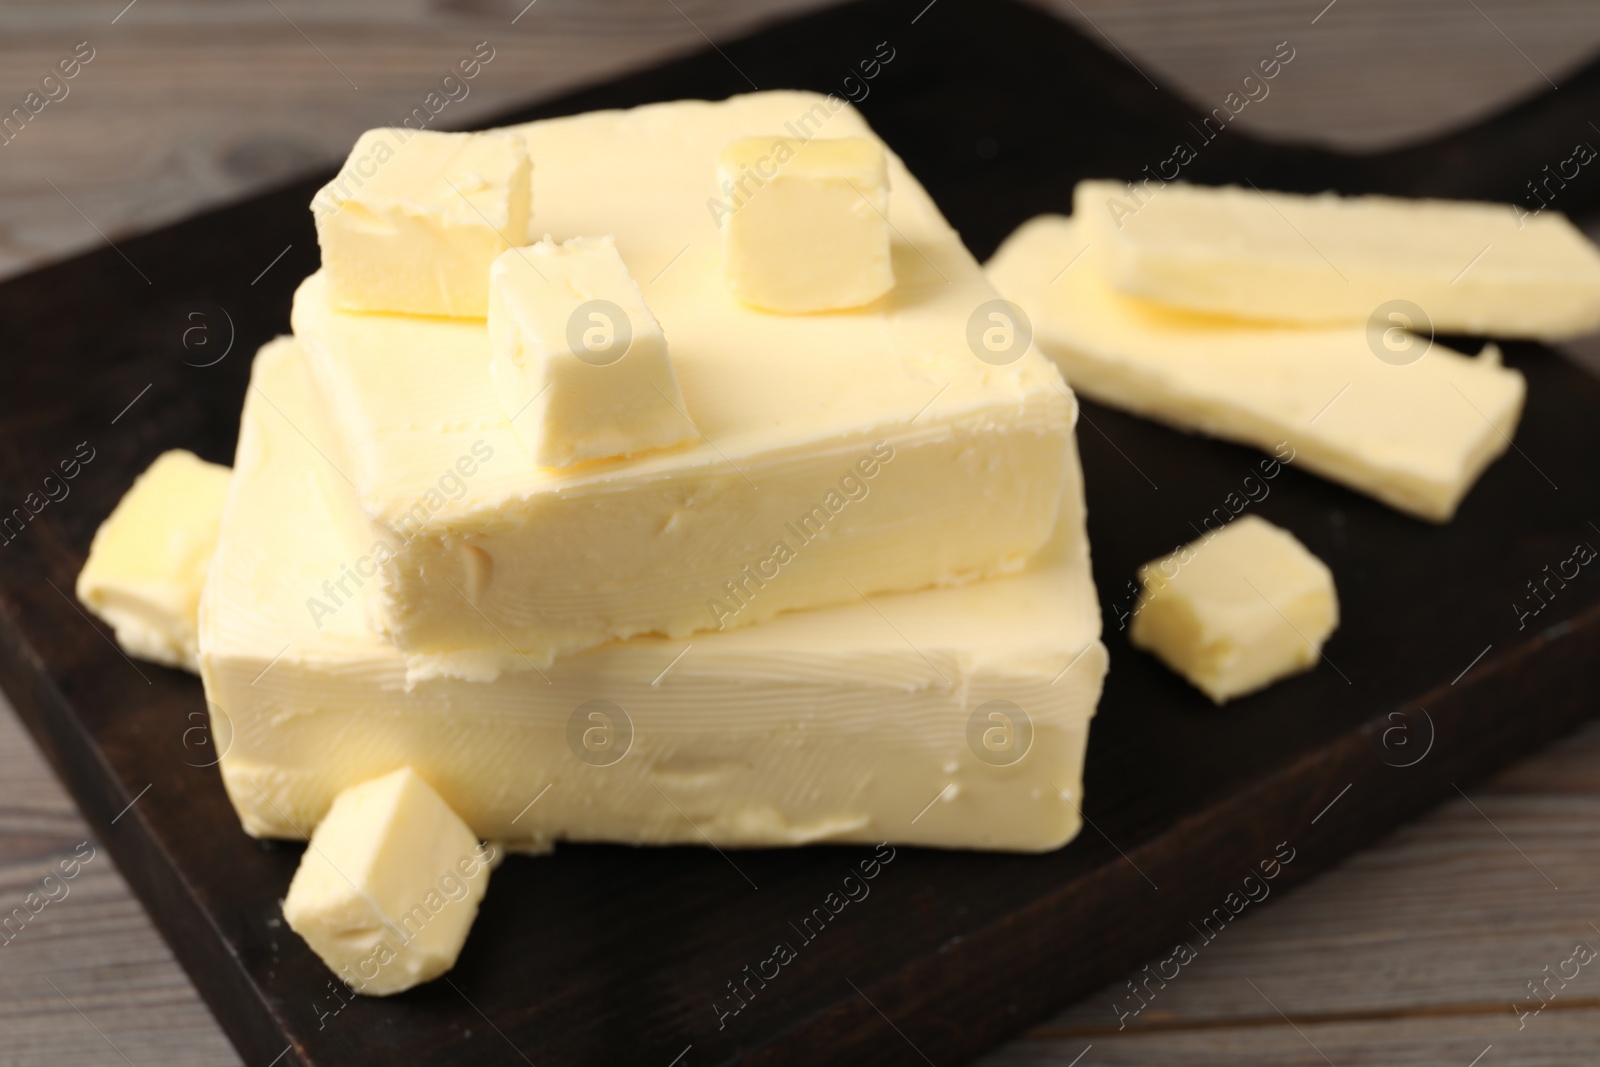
pixel 1471 268
pixel 1236 610
pixel 414 218
pixel 580 363
pixel 389 885
pixel 805 223
pixel 148 560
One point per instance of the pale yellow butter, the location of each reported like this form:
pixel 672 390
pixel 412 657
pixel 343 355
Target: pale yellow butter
pixel 864 722
pixel 580 363
pixel 1471 268
pixel 414 218
pixel 834 456
pixel 1413 426
pixel 149 558
pixel 1236 610
pixel 806 225
pixel 389 885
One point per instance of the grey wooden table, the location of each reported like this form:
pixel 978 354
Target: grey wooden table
pixel 1413 952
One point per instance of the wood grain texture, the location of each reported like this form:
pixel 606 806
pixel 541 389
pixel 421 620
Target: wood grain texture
pixel 190 104
pixel 1368 74
pixel 1423 932
pixel 84 978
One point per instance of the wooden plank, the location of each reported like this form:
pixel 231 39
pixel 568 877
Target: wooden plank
pixel 1098 419
pixel 186 106
pixel 1398 910
pixel 1559 1039
pixel 81 943
pixel 1367 75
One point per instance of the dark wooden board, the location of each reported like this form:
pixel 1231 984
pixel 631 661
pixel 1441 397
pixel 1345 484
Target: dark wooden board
pixel 607 954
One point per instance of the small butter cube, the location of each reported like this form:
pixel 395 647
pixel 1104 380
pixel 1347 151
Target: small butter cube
pixel 414 218
pixel 805 223
pixel 580 363
pixel 149 558
pixel 1237 610
pixel 389 885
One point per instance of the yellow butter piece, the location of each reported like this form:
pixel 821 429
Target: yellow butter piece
pixel 1472 268
pixel 389 885
pixel 805 224
pixel 580 363
pixel 862 722
pixel 1382 412
pixel 834 456
pixel 1236 610
pixel 414 218
pixel 149 558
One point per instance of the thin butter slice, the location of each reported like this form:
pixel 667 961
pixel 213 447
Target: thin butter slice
pixel 1472 268
pixel 149 558
pixel 864 723
pixel 1414 435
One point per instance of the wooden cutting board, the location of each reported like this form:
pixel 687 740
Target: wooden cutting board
pixel 608 954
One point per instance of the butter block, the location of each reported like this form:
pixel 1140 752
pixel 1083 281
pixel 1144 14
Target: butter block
pixel 834 456
pixel 414 218
pixel 1472 268
pixel 148 560
pixel 859 723
pixel 580 363
pixel 806 222
pixel 389 885
pixel 1415 434
pixel 1237 609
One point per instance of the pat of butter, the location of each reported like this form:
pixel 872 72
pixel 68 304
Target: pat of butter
pixel 414 218
pixel 1471 268
pixel 1413 426
pixel 1237 610
pixel 867 722
pixel 835 456
pixel 389 885
pixel 580 363
pixel 805 224
pixel 149 558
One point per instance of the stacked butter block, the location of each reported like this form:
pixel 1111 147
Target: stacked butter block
pixel 742 496
pixel 628 477
pixel 797 559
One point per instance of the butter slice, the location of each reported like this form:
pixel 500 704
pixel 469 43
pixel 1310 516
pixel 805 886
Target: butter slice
pixel 149 558
pixel 389 885
pixel 1415 435
pixel 1236 610
pixel 805 224
pixel 1472 268
pixel 857 723
pixel 491 562
pixel 580 362
pixel 414 218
